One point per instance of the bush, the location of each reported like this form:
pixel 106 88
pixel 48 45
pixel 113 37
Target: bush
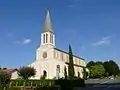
pixel 26 72
pixel 4 78
pixel 47 88
pixel 69 84
pixel 78 82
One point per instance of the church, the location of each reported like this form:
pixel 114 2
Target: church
pixel 50 60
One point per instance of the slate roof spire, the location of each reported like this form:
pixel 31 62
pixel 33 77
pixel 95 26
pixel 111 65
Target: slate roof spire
pixel 48 23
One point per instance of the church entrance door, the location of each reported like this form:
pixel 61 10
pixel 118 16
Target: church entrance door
pixel 45 73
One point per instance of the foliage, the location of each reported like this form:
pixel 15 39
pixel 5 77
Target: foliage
pixel 84 74
pixel 43 77
pixel 47 88
pixel 70 65
pixel 96 71
pixel 98 63
pixel 66 84
pixel 31 88
pixel 65 72
pixel 91 63
pixel 78 82
pixel 4 78
pixel 78 74
pixel 33 81
pixel 111 68
pixel 26 72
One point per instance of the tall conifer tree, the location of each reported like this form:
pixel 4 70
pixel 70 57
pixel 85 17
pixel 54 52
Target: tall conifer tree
pixel 65 72
pixel 70 65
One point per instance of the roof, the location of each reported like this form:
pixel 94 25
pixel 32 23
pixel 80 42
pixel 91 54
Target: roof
pixel 67 53
pixel 48 23
pixel 9 70
pixel 76 65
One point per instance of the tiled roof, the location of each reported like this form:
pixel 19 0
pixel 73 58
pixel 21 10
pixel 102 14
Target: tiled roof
pixel 9 70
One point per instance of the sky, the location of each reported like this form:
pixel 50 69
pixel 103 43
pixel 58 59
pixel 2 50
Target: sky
pixel 92 27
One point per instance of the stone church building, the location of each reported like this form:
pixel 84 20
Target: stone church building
pixel 51 61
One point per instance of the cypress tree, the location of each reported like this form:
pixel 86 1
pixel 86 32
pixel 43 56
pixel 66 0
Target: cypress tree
pixel 65 72
pixel 70 65
pixel 84 73
pixel 78 74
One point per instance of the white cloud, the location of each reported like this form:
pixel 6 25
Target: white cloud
pixel 103 41
pixel 24 42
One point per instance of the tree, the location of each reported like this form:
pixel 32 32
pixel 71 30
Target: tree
pixel 4 78
pixel 106 66
pixel 99 63
pixel 111 68
pixel 78 74
pixel 84 73
pixel 26 72
pixel 96 71
pixel 65 72
pixel 70 65
pixel 91 63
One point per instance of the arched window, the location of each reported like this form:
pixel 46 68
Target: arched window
pixel 46 38
pixel 51 38
pixel 58 68
pixel 58 71
pixel 62 56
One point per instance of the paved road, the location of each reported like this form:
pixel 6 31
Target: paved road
pixel 103 84
pixel 102 81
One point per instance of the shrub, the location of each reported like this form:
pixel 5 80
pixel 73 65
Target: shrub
pixel 69 84
pixel 4 78
pixel 26 72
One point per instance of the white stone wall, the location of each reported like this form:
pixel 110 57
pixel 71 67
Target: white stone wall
pixel 50 63
pixel 14 75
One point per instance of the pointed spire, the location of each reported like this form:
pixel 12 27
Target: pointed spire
pixel 48 23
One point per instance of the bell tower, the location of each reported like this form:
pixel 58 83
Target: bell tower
pixel 47 36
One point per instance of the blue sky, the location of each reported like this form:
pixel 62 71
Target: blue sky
pixel 92 27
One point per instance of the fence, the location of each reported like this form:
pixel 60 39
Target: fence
pixel 30 85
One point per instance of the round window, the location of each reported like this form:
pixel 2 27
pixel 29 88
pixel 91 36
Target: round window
pixel 45 55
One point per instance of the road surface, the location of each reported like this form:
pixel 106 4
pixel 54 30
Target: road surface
pixel 102 84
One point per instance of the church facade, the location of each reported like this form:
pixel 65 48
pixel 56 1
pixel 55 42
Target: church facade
pixel 51 61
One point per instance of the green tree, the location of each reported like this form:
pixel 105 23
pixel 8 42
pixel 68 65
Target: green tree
pixel 65 72
pixel 106 66
pixel 26 72
pixel 4 78
pixel 91 63
pixel 78 74
pixel 99 63
pixel 70 65
pixel 111 68
pixel 84 73
pixel 96 71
